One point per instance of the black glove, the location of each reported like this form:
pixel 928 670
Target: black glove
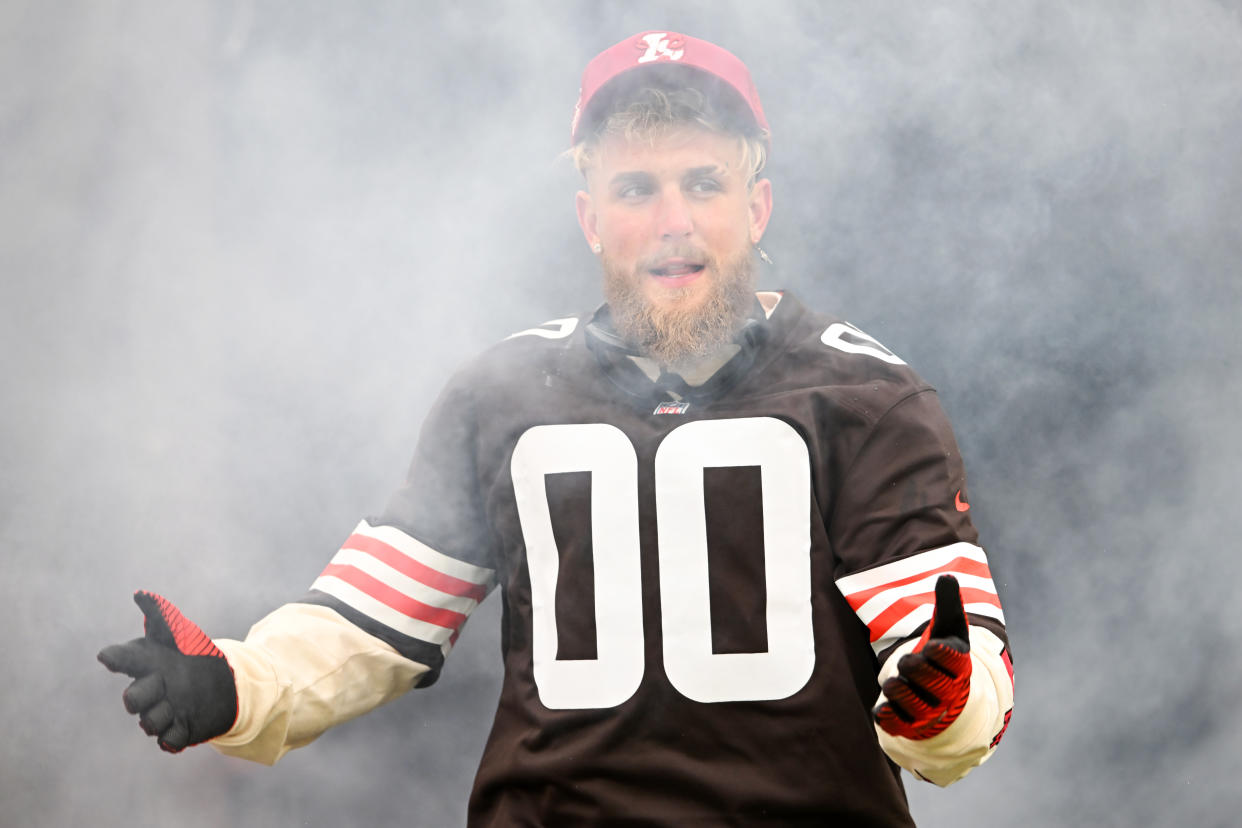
pixel 932 683
pixel 184 691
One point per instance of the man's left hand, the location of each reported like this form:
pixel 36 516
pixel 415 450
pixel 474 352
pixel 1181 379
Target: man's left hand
pixel 932 683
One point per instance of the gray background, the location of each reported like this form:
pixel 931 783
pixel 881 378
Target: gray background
pixel 243 244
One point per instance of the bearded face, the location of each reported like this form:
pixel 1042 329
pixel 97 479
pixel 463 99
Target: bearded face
pixel 678 325
pixel 673 220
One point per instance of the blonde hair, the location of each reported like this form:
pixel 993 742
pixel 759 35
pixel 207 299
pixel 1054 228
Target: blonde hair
pixel 651 113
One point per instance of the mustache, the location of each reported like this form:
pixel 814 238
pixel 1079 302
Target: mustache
pixel 685 251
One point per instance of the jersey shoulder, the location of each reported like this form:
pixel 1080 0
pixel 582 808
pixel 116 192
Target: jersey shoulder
pixel 526 357
pixel 810 349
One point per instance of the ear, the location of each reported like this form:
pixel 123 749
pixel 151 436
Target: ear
pixel 760 208
pixel 586 217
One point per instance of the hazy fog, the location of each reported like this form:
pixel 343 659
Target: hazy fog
pixel 243 244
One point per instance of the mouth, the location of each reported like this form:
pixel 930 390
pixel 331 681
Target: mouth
pixel 676 272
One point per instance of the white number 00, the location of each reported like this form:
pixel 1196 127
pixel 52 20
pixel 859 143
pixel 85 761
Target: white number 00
pixel 691 666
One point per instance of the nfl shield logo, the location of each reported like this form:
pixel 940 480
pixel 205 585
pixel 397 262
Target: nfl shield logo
pixel 671 407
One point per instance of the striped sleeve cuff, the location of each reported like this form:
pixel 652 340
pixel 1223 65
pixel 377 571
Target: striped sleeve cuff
pixel 405 586
pixel 895 598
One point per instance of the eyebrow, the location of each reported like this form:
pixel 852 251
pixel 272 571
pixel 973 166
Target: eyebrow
pixel 695 172
pixel 635 176
pixel 638 176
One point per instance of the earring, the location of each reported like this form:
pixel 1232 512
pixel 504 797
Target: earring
pixel 597 247
pixel 763 255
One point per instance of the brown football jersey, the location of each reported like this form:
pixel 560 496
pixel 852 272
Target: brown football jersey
pixel 699 583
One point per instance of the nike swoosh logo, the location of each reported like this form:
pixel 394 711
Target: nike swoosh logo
pixel 962 506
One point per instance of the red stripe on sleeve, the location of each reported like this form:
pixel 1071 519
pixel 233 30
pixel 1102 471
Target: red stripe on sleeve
pixel 909 603
pixel 957 566
pixel 419 572
pixel 399 601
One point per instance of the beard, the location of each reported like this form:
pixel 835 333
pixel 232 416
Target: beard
pixel 682 328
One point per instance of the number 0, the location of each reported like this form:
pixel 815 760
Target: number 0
pixel 685 606
pixel 614 675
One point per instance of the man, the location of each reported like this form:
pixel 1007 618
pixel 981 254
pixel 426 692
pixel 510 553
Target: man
pixel 715 518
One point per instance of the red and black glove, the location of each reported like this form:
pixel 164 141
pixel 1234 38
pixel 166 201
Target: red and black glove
pixel 932 683
pixel 184 692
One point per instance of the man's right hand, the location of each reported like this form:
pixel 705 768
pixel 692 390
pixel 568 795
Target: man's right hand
pixel 183 690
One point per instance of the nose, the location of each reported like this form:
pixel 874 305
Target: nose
pixel 674 221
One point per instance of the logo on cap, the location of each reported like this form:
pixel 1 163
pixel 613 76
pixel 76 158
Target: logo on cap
pixel 658 46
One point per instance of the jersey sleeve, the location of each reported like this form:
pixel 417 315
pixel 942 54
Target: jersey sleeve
pixel 901 521
pixel 413 575
pixel 385 611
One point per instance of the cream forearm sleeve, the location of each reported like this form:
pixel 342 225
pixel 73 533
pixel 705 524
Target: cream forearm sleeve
pixel 969 741
pixel 301 670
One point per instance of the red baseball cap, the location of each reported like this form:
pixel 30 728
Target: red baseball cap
pixel 662 49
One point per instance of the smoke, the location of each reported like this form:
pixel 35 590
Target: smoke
pixel 245 244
